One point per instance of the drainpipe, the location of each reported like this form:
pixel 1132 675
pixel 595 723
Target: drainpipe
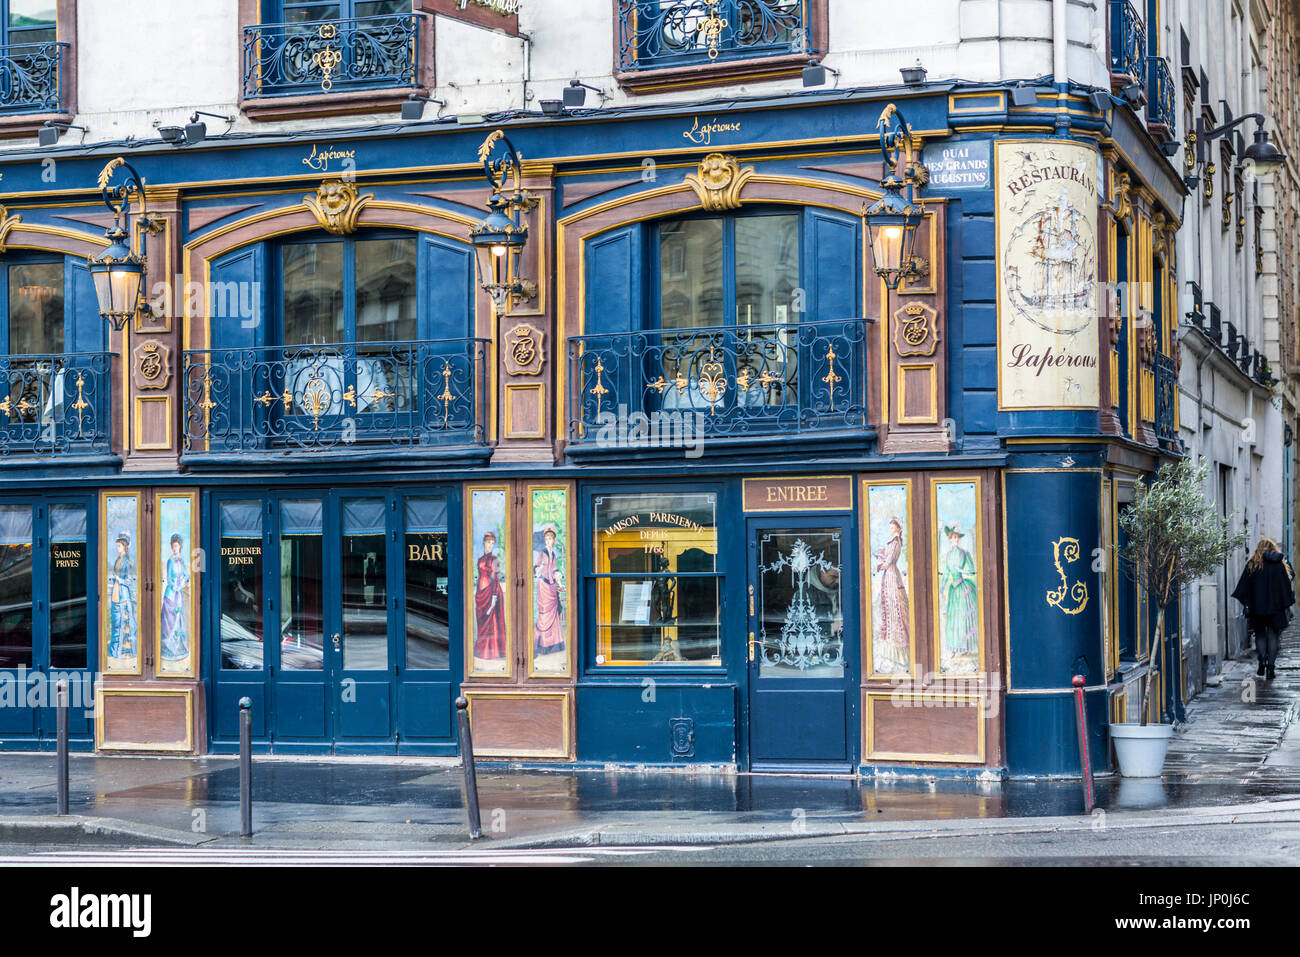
pixel 1060 73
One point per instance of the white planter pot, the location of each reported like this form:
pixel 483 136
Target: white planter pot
pixel 1141 749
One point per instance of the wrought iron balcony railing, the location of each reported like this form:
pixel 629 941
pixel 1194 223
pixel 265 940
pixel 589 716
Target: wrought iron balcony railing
pixel 52 405
pixel 1160 93
pixel 732 381
pixel 1128 40
pixel 31 77
pixel 1166 400
pixel 664 33
pixel 317 398
pixel 323 56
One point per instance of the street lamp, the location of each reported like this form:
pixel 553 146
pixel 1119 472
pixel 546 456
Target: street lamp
pixel 893 220
pixel 499 239
pixel 118 272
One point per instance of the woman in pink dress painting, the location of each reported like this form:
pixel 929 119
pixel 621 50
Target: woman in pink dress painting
pixel 893 633
pixel 548 586
pixel 489 604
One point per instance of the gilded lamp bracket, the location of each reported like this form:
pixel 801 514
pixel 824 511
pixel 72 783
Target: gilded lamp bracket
pixel 499 239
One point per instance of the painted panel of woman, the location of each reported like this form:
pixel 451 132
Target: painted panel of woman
pixel 175 634
pixel 489 604
pixel 121 602
pixel 893 599
pixel 958 596
pixel 548 583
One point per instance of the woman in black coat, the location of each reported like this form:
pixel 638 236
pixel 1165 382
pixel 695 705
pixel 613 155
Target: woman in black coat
pixel 1265 589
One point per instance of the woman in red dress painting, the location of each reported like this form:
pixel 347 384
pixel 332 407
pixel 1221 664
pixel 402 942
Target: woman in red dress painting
pixel 489 605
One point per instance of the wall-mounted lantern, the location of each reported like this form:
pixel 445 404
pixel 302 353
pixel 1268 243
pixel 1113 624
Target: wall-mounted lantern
pixel 118 272
pixel 1265 156
pixel 500 238
pixel 893 220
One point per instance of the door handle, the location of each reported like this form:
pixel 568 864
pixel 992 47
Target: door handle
pixel 752 642
pixel 335 639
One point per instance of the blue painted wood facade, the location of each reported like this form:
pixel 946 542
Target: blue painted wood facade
pixel 609 180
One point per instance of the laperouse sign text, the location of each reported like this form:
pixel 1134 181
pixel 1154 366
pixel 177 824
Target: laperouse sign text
pixel 1048 337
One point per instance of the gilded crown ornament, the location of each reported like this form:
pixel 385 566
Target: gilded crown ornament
pixel 336 206
pixel 718 182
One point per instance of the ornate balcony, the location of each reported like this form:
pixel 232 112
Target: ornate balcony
pixel 54 405
pixel 720 383
pixel 327 56
pixel 1160 94
pixel 1128 41
pixel 348 399
pixel 31 78
pixel 1166 402
pixel 661 33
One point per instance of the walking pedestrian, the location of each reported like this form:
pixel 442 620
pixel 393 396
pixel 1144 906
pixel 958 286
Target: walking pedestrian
pixel 1266 592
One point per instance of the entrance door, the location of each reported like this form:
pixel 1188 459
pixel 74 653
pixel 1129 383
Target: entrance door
pixel 356 653
pixel 47 611
pixel 802 647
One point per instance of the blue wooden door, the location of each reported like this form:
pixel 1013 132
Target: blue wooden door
pixel 802 647
pixel 47 621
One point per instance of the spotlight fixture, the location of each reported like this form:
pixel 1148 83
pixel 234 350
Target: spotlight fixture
pixel 575 94
pixel 1100 100
pixel 48 135
pixel 1170 148
pixel 1024 96
pixel 913 75
pixel 1134 94
pixel 413 106
pixel 172 134
pixel 196 130
pixel 553 107
pixel 814 74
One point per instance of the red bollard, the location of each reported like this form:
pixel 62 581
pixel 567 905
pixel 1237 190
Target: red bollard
pixel 1082 715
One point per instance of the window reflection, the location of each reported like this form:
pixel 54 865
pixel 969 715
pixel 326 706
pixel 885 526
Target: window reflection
pixel 426 573
pixel 15 586
pixel 68 631
pixel 365 586
pixel 240 585
pixel 302 594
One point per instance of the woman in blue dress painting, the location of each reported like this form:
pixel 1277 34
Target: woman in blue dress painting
pixel 121 602
pixel 175 636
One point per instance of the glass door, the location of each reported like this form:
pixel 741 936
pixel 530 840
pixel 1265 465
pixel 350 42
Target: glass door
pixel 46 606
pixel 802 645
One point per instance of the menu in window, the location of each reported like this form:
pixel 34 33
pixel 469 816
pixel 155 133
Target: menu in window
pixel 636 603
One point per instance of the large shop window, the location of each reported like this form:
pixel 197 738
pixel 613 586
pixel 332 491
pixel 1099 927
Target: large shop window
pixel 53 370
pixel 240 585
pixel 44 586
pixel 657 580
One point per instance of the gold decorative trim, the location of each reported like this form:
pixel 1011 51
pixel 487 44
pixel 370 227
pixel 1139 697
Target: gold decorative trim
pixel 8 221
pixel 102 745
pixel 976 701
pixel 718 182
pixel 564 697
pixel 336 206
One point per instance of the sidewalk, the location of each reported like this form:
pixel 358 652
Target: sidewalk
pixel 1232 758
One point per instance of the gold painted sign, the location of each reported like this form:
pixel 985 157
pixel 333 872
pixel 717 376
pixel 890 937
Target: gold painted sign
pixel 832 493
pixel 702 134
pixel 1048 346
pixel 241 554
pixel 319 160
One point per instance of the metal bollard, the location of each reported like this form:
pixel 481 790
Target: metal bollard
pixel 467 762
pixel 62 759
pixel 1082 715
pixel 245 767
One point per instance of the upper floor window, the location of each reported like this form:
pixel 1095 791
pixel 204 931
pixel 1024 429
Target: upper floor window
pixel 53 372
pixel 307 46
pixel 676 32
pixel 30 58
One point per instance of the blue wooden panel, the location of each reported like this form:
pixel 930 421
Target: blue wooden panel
pixel 226 695
pixel 806 725
pixel 831 246
pixel 86 328
pixel 1043 737
pixel 424 709
pixel 1052 531
pixel 446 288
pixel 978 234
pixel 980 367
pixel 238 286
pixel 978 279
pixel 979 322
pixel 370 715
pixel 300 710
pixel 614 281
pixel 980 413
pixel 643 731
pixel 14 720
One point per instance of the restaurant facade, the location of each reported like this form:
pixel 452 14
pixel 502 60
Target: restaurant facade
pixel 681 483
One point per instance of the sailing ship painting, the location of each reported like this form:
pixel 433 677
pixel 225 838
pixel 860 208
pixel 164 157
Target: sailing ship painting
pixel 1048 343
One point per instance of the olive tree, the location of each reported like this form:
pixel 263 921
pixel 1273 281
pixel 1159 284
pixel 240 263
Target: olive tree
pixel 1174 538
